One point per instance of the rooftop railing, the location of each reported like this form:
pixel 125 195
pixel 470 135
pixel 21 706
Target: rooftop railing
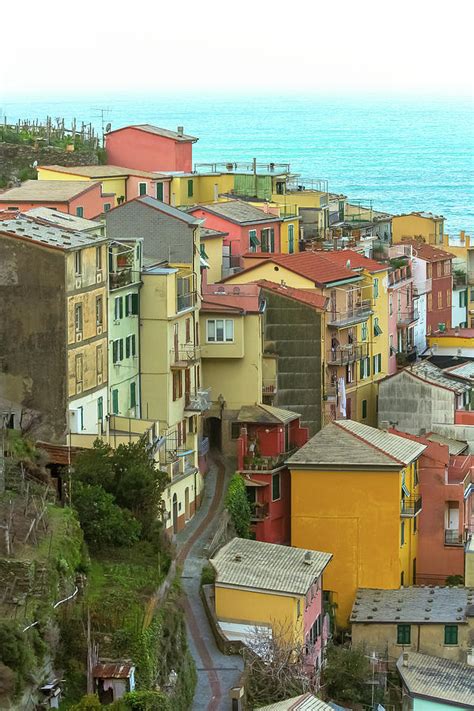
pixel 349 353
pixel 123 277
pixel 241 167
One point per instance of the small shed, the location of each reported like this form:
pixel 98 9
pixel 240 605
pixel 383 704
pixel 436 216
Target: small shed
pixel 113 679
pixel 52 694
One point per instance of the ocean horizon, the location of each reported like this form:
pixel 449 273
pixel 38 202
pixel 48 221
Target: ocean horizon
pixel 396 154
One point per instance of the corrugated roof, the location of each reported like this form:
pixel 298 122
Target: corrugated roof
pixel 426 251
pixel 266 414
pixel 454 446
pixel 48 235
pixel 466 370
pixel 305 702
pixel 311 298
pixel 417 605
pixel 112 670
pixel 357 261
pixel 103 171
pixel 164 132
pixel 438 678
pixel 355 445
pixel 47 191
pixel 432 374
pixel 63 219
pixel 268 566
pixel 238 211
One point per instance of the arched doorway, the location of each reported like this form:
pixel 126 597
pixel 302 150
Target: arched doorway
pixel 214 432
pixel 187 512
pixel 175 513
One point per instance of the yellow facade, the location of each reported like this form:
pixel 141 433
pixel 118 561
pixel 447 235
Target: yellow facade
pixel 429 228
pixel 451 340
pixel 116 185
pixel 191 189
pixel 262 608
pixel 213 250
pixel 355 515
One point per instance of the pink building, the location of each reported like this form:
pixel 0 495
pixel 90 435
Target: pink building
pixel 402 316
pixel 248 228
pixel 147 147
pixel 75 197
pixel 447 492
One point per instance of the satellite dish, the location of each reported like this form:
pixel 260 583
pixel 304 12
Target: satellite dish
pixel 108 127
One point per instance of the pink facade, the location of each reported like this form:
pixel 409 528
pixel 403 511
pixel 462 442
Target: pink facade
pixel 402 317
pixel 238 238
pixel 134 183
pixel 316 624
pixel 134 147
pixel 89 203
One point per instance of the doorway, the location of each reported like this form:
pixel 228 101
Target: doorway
pixel 175 513
pixel 214 432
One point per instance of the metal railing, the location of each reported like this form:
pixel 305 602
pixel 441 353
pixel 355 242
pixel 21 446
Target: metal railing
pixel 123 277
pixel 357 313
pixel 410 506
pixel 241 167
pixel 184 356
pixel 185 301
pixel 269 386
pixel 349 353
pixel 404 318
pixel 258 512
pixel 453 538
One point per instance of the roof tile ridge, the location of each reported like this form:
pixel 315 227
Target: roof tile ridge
pixel 374 446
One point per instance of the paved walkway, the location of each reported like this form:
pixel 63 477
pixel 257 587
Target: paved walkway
pixel 217 673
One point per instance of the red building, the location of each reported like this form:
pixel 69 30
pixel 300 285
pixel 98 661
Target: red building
pixel 83 198
pixel 249 229
pixel 268 436
pixel 447 492
pixel 439 270
pixel 146 147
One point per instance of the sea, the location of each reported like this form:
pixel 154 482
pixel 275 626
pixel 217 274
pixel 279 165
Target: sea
pixel 395 154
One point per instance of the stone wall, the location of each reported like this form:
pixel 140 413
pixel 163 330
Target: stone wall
pixel 15 157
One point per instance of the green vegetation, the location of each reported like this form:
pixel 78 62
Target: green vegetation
pixel 30 138
pixel 103 522
pixel 455 580
pixel 238 506
pixel 346 675
pixel 143 701
pixel 208 575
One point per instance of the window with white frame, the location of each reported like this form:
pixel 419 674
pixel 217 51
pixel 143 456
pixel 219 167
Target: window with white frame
pixel 377 363
pixel 220 330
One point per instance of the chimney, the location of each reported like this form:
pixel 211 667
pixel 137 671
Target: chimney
pixel 405 659
pixel 180 131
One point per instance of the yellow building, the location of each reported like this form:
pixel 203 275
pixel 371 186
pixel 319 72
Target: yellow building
pixel 211 250
pixel 422 225
pixel 354 493
pixel 453 342
pixel 194 188
pixel 274 587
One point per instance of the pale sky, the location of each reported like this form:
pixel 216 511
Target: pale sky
pixel 112 46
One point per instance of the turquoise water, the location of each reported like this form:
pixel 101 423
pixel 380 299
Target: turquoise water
pixel 400 154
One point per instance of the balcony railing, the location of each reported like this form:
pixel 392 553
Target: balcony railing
pixel 184 356
pixel 199 401
pixel 397 276
pixel 123 277
pixel 258 512
pixel 267 464
pixel 410 507
pixel 422 287
pixel 459 279
pixel 453 538
pixel 185 301
pixel 357 313
pixel 242 167
pixel 405 318
pixel 349 353
pixel 269 387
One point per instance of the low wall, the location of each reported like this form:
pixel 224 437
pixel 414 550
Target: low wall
pixel 224 645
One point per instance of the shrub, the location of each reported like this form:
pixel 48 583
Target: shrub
pixel 208 575
pixel 143 701
pixel 238 506
pixel 87 703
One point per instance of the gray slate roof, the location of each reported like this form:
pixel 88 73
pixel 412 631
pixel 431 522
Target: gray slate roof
pixel 240 212
pixel 165 132
pixel 418 605
pixel 167 209
pixel 268 566
pixel 466 370
pixel 352 444
pixel 103 171
pixel 266 414
pixel 63 219
pixel 305 702
pixel 432 374
pixel 49 234
pixel 437 678
pixel 46 191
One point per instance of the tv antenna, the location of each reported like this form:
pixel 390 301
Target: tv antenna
pixel 101 113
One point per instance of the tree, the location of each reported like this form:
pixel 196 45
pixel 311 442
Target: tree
pixel 103 522
pixel 95 465
pixel 143 701
pixel 238 506
pixel 87 703
pixel 346 674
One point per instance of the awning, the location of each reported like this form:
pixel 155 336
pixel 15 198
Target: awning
pixel 253 482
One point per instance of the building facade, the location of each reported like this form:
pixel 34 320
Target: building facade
pixel 150 148
pixel 80 198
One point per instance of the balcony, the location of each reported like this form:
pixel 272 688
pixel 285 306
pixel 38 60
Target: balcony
pixel 356 314
pixel 259 512
pixel 459 279
pixel 269 387
pixel 184 356
pixel 185 301
pixel 400 275
pixel 410 507
pixel 199 401
pixel 422 287
pixel 348 353
pixel 406 356
pixel 405 318
pixel 453 538
pixel 267 464
pixel 123 277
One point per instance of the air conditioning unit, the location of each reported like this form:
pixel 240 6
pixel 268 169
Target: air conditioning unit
pixel 99 277
pixel 78 336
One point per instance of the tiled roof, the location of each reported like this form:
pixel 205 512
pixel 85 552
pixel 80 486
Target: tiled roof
pixel 62 219
pixel 49 235
pixel 356 260
pixel 305 702
pixel 102 171
pixel 164 132
pixel 238 211
pixel 162 207
pixel 438 678
pixel 242 297
pixel 314 266
pixel 304 296
pixel 266 414
pixel 355 445
pixel 432 374
pixel 417 605
pixel 207 233
pixel 268 566
pixel 47 191
pixel 466 370
pixel 426 251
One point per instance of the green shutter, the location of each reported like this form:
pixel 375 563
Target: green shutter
pixel 121 349
pixel 450 634
pixel 127 347
pixel 100 409
pixel 202 251
pixel 133 395
pixel 253 239
pixel 115 351
pixel 159 191
pixel 142 188
pixel 362 369
pixel 272 239
pixel 403 634
pixel 80 211
pixel 190 188
pixel 364 409
pixel 115 402
pixel 134 304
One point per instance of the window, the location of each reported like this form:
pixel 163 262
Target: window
pixel 267 237
pixel 291 239
pixel 349 373
pixel 117 350
pixel 118 308
pixel 100 409
pixel 364 409
pixel 142 188
pixel 190 188
pixel 78 263
pixel 276 487
pixel 177 385
pixel 78 318
pixel 107 206
pixel 390 304
pixel 98 258
pixel 462 299
pixel 440 299
pixel 429 271
pixel 364 331
pixel 198 376
pixel 79 369
pixel 450 634
pixel 447 267
pixel 430 301
pixel 376 288
pixel 133 394
pixel 159 191
pixel 315 630
pixel 131 305
pixel 377 329
pixel 403 634
pixel 254 242
pixel 115 402
pixel 448 297
pixel 235 430
pixel 471 297
pixel 130 346
pixel 220 331
pixel 99 310
pixel 365 368
pixel 79 211
pixel 377 363
pixel 402 533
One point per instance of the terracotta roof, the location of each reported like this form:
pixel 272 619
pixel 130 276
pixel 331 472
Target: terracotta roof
pixel 314 266
pixel 59 453
pixel 103 171
pixel 311 298
pixel 112 670
pixel 357 261
pixel 437 678
pixel 157 131
pixel 238 211
pixel 47 191
pixel 426 251
pixel 244 298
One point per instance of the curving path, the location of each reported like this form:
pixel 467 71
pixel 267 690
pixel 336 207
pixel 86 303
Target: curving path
pixel 217 673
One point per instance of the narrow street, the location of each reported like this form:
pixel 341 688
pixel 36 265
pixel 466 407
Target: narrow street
pixel 217 673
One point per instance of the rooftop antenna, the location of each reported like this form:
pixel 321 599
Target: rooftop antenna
pixel 101 111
